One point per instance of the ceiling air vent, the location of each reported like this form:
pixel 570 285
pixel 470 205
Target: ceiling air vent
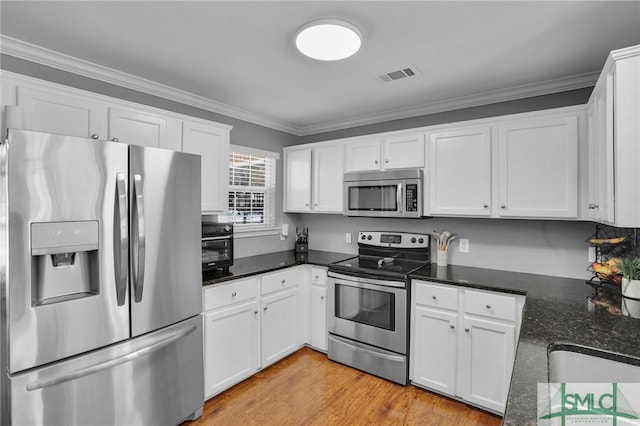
pixel 397 75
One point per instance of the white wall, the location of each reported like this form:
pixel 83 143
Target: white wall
pixel 556 248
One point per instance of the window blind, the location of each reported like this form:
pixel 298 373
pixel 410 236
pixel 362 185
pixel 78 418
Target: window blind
pixel 251 189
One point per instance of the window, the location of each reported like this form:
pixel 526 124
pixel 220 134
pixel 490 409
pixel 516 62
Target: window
pixel 252 182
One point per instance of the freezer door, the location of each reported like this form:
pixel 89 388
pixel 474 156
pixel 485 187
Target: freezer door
pixel 165 227
pixel 155 379
pixel 67 246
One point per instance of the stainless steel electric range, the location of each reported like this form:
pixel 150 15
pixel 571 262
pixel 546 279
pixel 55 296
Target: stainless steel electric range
pixel 368 303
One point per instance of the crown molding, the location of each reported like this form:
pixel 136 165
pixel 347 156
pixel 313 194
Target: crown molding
pixel 510 94
pixel 33 53
pixel 47 57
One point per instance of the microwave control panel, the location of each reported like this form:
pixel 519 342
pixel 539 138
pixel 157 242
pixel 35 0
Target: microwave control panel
pixel 411 195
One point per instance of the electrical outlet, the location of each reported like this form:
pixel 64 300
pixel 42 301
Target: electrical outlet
pixel 347 237
pixel 592 254
pixel 463 247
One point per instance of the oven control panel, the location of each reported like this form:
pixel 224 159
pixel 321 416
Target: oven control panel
pixel 393 239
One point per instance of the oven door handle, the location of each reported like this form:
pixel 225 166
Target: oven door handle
pixel 355 281
pixel 379 353
pixel 226 237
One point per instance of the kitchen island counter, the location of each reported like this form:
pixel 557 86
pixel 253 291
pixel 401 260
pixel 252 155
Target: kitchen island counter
pixel 556 310
pixel 260 264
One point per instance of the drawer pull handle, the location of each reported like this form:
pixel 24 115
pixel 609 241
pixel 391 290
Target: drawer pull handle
pixel 488 306
pixel 234 294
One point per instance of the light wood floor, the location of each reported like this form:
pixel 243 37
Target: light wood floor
pixel 307 388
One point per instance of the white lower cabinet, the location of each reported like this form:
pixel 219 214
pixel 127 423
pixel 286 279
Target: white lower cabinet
pixel 463 342
pixel 252 323
pixel 232 346
pixel 318 309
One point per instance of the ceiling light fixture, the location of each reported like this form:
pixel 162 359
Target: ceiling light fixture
pixel 328 39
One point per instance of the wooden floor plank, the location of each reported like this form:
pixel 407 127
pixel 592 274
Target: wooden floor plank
pixel 307 388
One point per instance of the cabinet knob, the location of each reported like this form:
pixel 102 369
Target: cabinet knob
pixel 485 205
pixel 265 308
pixel 595 206
pixel 255 311
pixel 234 294
pixel 466 329
pixel 317 277
pixel 321 297
pixel 451 326
pixel 94 136
pixel 434 297
pixel 386 160
pixel 306 204
pixel 375 161
pixel 488 306
pixel 115 140
pixel 315 204
pixel 282 281
pixel 503 206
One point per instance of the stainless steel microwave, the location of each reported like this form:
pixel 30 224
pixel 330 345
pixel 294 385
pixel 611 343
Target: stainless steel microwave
pixel 392 193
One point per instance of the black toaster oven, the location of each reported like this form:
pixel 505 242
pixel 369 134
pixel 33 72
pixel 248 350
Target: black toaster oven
pixel 217 246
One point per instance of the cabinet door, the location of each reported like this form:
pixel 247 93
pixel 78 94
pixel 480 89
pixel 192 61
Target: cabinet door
pixel 319 335
pixel 281 326
pixel 539 168
pixel 231 346
pixel 328 177
pixel 487 353
pixel 460 172
pixel 601 142
pixel 62 113
pixel 363 155
pixel 434 349
pixel 298 180
pixel 212 144
pixel 403 151
pixel 138 127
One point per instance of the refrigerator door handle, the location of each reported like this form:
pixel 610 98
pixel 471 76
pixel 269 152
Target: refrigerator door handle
pixel 121 240
pixel 45 383
pixel 138 234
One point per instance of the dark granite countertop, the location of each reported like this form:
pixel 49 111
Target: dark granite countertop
pixel 556 310
pixel 255 265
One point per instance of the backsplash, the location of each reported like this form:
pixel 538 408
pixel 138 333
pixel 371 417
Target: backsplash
pixel 555 248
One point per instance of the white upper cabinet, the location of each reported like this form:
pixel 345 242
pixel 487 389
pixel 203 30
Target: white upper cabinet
pixel 614 135
pixel 62 112
pixel 328 177
pixel 403 151
pixel 460 172
pixel 52 108
pixel 297 190
pixel 538 164
pixel 363 154
pixel 314 178
pixel 139 127
pixel 211 142
pixel 384 153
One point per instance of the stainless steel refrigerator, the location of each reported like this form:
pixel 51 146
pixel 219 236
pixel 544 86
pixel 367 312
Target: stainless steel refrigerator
pixel 101 290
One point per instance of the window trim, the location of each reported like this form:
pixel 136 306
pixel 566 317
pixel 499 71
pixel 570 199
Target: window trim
pixel 258 230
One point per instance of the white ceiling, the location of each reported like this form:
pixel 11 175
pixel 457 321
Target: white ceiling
pixel 240 54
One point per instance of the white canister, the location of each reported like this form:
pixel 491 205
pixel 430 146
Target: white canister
pixel 441 258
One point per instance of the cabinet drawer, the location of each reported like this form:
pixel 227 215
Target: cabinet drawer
pixel 278 281
pixel 318 276
pixel 436 296
pixel 221 295
pixel 490 305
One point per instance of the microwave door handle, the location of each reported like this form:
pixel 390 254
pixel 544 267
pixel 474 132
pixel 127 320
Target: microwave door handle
pixel 121 240
pixel 399 199
pixel 139 236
